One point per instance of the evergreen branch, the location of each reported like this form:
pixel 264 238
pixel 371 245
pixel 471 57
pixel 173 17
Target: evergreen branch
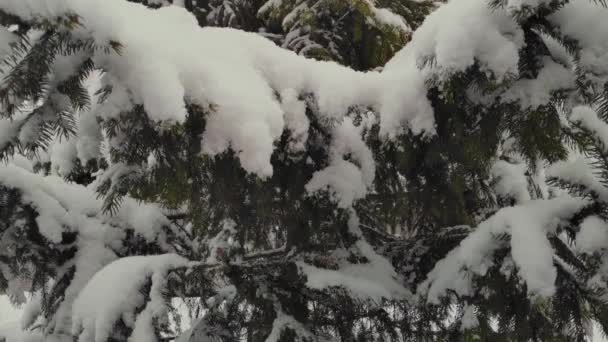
pixel 600 102
pixel 73 87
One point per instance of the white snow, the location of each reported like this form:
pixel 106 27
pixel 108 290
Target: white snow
pixel 387 17
pixel 9 324
pixel 283 321
pixel 65 207
pixel 593 235
pixel 577 170
pixel 460 32
pixel 469 318
pixel 574 20
pixel 511 180
pixel 373 280
pixel 345 180
pixel 528 226
pixel 97 308
pixel 533 93
pixel 62 153
pixel 253 92
pixel 12 333
pixel 88 134
pixel 296 120
pixel 588 118
pixel 226 64
pixel 31 310
pixel 235 73
pixel 92 255
pixel 359 280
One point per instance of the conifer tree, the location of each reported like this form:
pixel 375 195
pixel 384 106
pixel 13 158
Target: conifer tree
pixel 288 199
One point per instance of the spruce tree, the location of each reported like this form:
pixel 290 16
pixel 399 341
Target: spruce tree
pixel 287 199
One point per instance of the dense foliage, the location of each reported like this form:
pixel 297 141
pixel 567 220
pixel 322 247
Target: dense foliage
pixel 159 170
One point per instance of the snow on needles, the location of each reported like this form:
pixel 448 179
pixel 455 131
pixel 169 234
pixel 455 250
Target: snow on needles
pixel 94 315
pixel 574 20
pixel 578 171
pixel 253 88
pixel 462 32
pixel 374 280
pixel 528 226
pixel 253 91
pixel 511 180
pixel 65 207
pixel 234 72
pixel 237 75
pixel 343 178
pixel 589 120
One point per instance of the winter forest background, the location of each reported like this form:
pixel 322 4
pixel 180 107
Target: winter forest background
pixel 303 170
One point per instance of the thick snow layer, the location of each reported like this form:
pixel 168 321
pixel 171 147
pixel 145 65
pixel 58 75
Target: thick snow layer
pixel 97 308
pixel 11 332
pixel 593 235
pixel 31 310
pixel 575 21
pixel 10 328
pixel 528 226
pixel 511 180
pixel 344 181
pixel 461 32
pixel 234 72
pixel 64 207
pixel 92 255
pixel 469 318
pixel 296 120
pixel 238 75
